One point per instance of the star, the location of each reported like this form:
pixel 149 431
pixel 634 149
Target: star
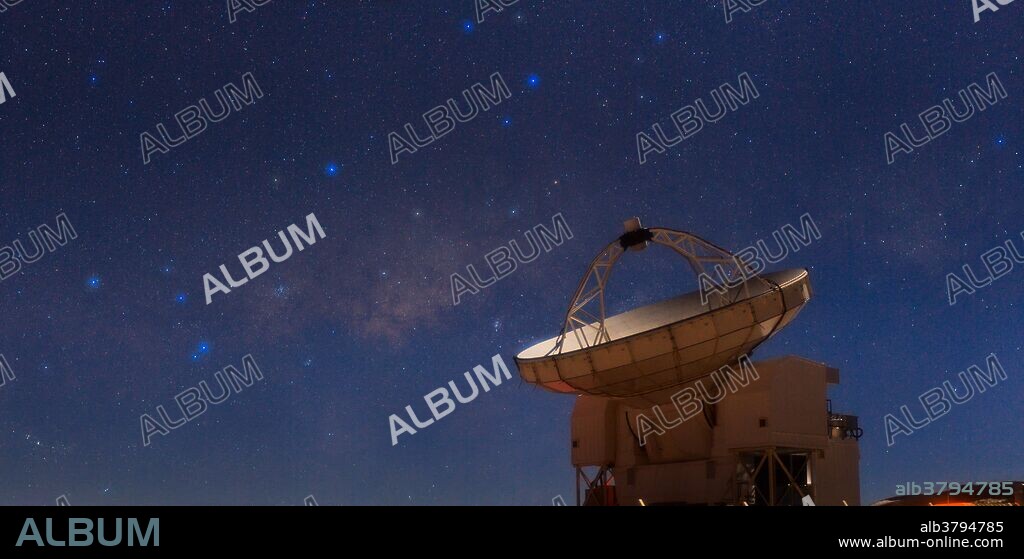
pixel 202 348
pixel 376 294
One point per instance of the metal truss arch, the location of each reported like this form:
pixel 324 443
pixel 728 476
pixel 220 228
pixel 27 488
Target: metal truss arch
pixel 713 266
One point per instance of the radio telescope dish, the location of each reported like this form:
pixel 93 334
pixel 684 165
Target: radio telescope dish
pixel 669 343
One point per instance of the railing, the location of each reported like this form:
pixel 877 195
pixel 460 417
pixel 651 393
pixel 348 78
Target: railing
pixel 843 426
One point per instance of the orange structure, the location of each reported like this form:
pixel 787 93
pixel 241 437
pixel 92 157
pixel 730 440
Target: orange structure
pixel 648 430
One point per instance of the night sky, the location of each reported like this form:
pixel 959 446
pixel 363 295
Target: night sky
pixel 361 324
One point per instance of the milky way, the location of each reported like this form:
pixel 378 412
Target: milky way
pixel 115 322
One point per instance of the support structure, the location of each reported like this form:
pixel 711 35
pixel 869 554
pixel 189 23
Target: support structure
pixel 585 319
pixel 597 491
pixel 774 476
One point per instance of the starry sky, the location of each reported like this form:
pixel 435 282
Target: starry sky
pixel 362 324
